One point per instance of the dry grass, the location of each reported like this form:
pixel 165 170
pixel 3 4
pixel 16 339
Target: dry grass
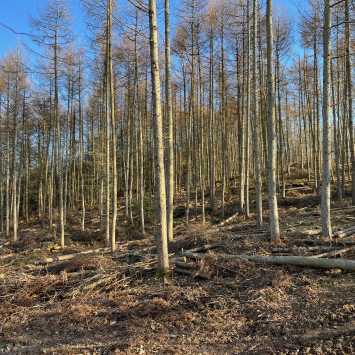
pixel 117 304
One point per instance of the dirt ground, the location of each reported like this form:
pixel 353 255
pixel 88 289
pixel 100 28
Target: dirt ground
pixel 116 304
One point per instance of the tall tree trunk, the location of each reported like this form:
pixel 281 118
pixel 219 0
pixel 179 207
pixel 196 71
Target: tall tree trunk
pixel 158 126
pixel 81 134
pixel 108 119
pixel 58 156
pixel 255 113
pixel 349 95
pixel 325 198
pixel 169 115
pixel 110 106
pixel 273 209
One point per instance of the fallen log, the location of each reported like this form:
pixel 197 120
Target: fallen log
pixel 348 229
pixel 184 265
pixel 347 208
pixel 69 266
pixel 4 243
pixel 193 273
pixel 6 256
pixel 228 220
pixel 311 232
pixel 298 188
pixel 302 249
pixel 345 232
pixel 333 253
pixel 347 329
pixel 70 256
pixel 183 271
pixel 205 247
pixel 320 242
pixel 134 252
pixel 307 261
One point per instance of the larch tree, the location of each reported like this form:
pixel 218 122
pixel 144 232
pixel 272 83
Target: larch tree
pixel 326 177
pixel 255 111
pixel 110 122
pixel 349 93
pixel 159 142
pixel 271 166
pixel 169 115
pixel 52 28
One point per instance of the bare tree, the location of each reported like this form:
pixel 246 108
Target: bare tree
pixel 169 115
pixel 325 197
pixel 159 145
pixel 273 209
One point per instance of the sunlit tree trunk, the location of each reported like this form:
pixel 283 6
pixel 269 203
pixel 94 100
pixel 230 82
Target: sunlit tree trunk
pixel 169 115
pixel 158 127
pixel 349 95
pixel 273 209
pixel 255 113
pixel 325 196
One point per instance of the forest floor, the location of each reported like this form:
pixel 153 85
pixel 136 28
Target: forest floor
pixel 101 303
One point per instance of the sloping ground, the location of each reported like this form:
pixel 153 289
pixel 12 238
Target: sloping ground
pixel 117 304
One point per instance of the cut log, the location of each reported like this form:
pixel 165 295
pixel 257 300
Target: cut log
pixel 71 256
pixel 347 329
pixel 4 243
pixel 308 241
pixel 181 259
pixel 345 232
pixel 184 265
pixel 134 252
pixel 307 188
pixel 184 271
pixel 312 232
pixel 347 209
pixel 205 247
pixel 68 266
pixel 300 249
pixel 320 242
pixel 6 256
pixel 333 253
pixel 192 273
pixel 228 220
pixel 306 261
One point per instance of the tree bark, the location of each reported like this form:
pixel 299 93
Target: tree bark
pixel 169 115
pixel 325 198
pixel 272 149
pixel 159 146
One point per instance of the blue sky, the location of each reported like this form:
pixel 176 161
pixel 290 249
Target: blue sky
pixel 16 13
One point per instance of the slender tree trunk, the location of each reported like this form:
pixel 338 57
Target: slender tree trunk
pixel 158 126
pixel 211 123
pixel 349 95
pixel 111 120
pixel 14 168
pixel 108 118
pixel 81 133
pixel 273 209
pixel 255 113
pixel 169 115
pixel 335 137
pixel 325 197
pixel 58 144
